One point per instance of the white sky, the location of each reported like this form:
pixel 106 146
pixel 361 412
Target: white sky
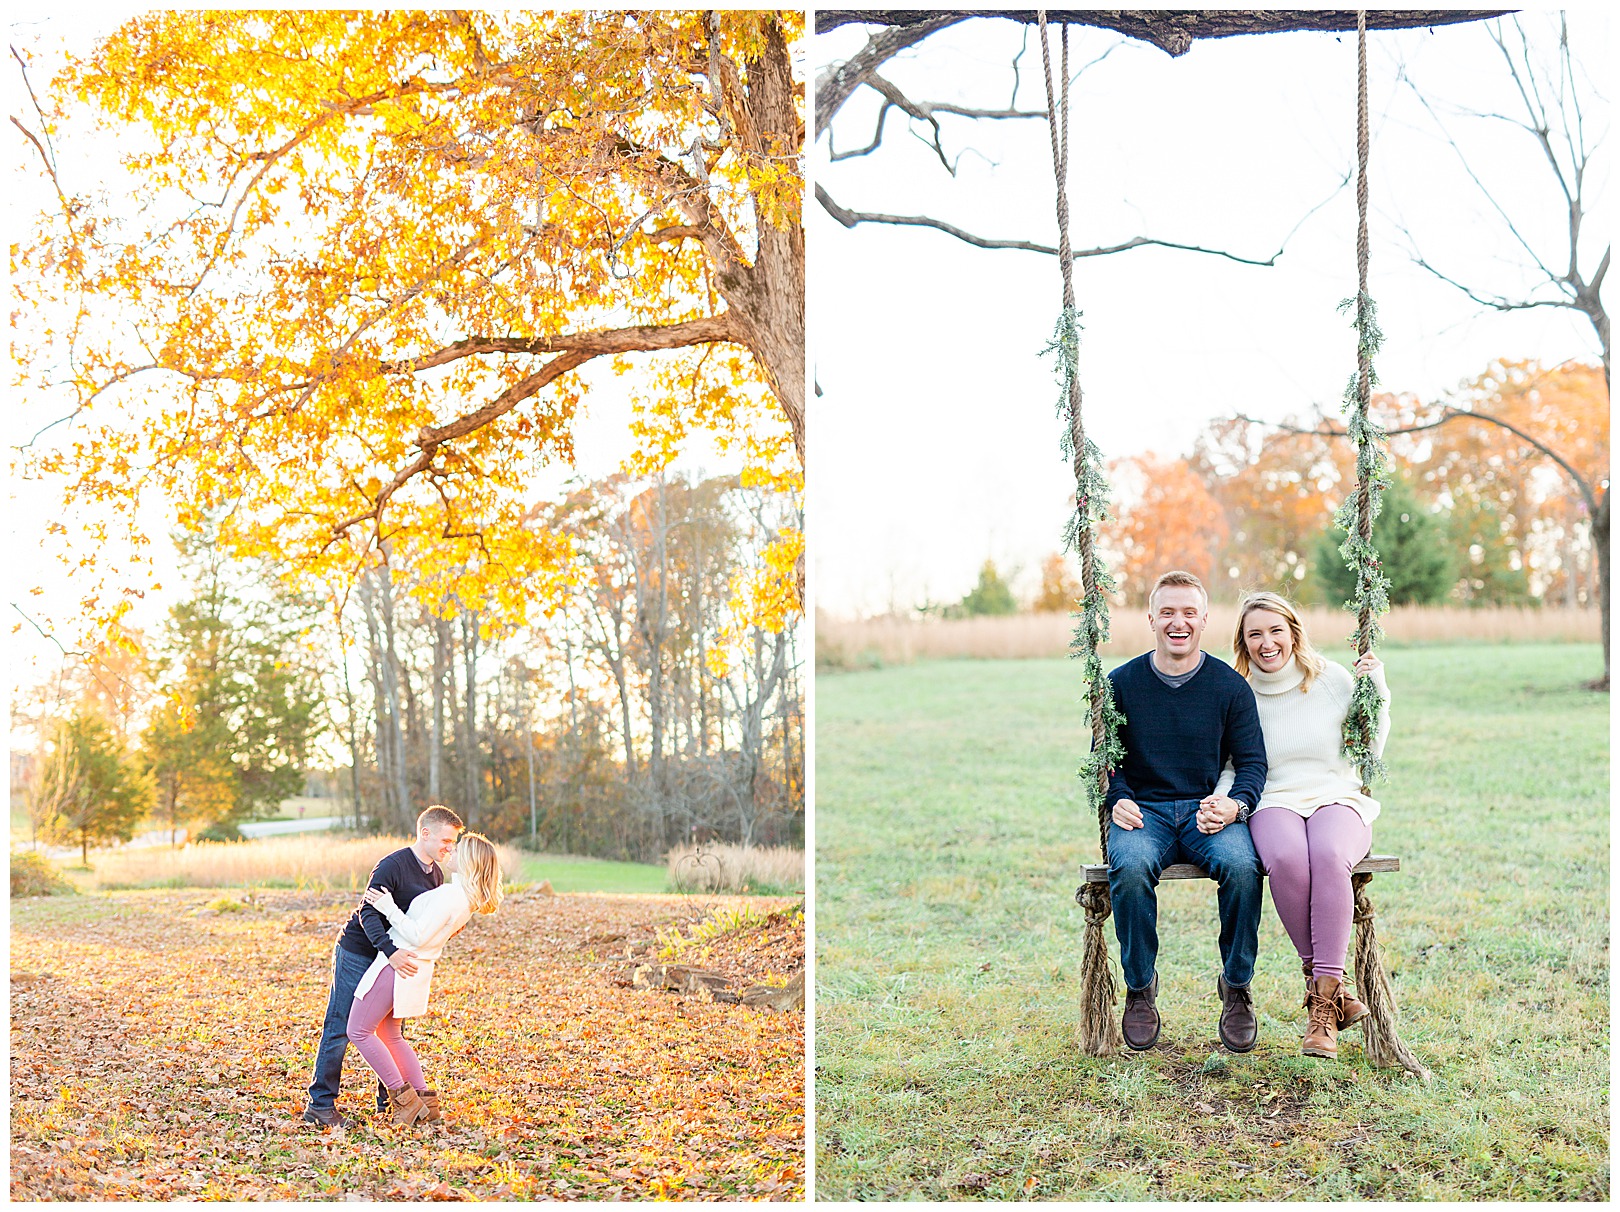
pixel 935 444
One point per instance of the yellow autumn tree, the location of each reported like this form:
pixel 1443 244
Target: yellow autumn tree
pixel 363 255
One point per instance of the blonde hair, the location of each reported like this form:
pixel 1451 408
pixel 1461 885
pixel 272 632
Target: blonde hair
pixel 480 869
pixel 1178 577
pixel 1311 662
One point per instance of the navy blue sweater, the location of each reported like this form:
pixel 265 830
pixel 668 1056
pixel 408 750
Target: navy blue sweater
pixel 366 931
pixel 1177 741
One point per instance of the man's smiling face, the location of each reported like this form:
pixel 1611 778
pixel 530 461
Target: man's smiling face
pixel 1177 614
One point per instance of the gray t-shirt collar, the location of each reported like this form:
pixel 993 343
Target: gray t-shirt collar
pixel 1176 680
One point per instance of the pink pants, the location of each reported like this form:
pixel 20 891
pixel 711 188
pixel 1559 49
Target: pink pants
pixel 375 1031
pixel 1309 861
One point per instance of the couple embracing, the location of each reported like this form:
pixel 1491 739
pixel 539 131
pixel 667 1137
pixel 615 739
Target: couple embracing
pixel 382 963
pixel 1239 770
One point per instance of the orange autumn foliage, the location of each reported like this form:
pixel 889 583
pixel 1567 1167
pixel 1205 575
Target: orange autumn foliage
pixel 1167 519
pixel 140 1070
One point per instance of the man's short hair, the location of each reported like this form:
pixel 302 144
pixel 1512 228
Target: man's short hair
pixel 437 815
pixel 1178 577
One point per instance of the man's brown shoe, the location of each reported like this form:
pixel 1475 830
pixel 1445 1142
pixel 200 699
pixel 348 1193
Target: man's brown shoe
pixel 1322 1030
pixel 326 1117
pixel 1140 1022
pixel 1351 1011
pixel 1238 1027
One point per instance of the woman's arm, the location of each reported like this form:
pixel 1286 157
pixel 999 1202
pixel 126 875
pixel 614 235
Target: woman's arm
pixel 383 902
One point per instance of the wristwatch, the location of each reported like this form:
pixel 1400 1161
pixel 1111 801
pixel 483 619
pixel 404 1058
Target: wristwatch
pixel 1244 811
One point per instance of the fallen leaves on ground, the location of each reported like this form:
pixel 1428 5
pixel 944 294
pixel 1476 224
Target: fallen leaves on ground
pixel 160 1049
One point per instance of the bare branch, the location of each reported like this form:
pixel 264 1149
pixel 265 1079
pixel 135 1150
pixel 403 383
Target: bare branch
pixel 593 344
pixel 835 85
pixel 1447 415
pixel 573 350
pixel 1172 31
pixel 850 218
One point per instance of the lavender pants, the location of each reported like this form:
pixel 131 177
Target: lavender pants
pixel 1309 861
pixel 375 1031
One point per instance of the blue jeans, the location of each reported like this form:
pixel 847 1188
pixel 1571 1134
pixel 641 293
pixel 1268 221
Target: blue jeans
pixel 347 969
pixel 1169 834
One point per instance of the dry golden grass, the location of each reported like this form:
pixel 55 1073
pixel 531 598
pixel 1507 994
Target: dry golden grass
pixel 718 867
pixel 305 860
pixel 861 643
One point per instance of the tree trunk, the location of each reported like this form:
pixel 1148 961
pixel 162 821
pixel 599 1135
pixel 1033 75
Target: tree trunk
pixel 1600 544
pixel 472 775
pixel 391 683
pixel 436 737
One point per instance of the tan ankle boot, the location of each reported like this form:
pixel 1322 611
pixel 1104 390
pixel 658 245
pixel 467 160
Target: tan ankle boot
pixel 430 1099
pixel 1351 1011
pixel 407 1105
pixel 1322 1030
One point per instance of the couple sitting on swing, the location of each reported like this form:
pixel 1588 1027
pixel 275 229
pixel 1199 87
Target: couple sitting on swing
pixel 1240 772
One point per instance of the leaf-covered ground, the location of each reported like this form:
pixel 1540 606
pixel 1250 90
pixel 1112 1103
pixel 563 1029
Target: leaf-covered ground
pixel 161 1046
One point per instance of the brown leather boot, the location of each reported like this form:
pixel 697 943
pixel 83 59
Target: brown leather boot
pixel 1351 1011
pixel 1322 1029
pixel 1238 1026
pixel 430 1099
pixel 1140 1022
pixel 407 1104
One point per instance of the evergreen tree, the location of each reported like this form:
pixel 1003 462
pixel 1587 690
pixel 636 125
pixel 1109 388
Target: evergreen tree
pixel 88 790
pixel 1487 576
pixel 233 735
pixel 1413 547
pixel 990 596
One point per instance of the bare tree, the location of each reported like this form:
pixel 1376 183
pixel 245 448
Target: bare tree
pixel 1557 101
pixel 1594 494
pixel 1171 31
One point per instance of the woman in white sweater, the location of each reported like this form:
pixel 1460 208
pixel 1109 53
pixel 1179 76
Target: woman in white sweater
pixel 383 997
pixel 1314 821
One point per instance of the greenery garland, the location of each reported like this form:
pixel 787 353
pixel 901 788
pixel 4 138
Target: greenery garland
pixel 1091 619
pixel 1360 556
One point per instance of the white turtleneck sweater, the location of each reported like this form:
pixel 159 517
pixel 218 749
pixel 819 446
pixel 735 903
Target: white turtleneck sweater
pixel 1303 731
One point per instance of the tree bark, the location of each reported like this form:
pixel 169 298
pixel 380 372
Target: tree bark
pixel 1173 31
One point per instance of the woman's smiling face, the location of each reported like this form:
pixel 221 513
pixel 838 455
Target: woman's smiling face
pixel 1269 640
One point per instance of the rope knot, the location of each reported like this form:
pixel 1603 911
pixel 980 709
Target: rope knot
pixel 1094 899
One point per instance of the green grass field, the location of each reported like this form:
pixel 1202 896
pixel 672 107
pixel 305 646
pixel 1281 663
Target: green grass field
pixel 947 939
pixel 570 874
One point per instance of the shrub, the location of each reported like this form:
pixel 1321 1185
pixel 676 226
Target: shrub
pixel 32 874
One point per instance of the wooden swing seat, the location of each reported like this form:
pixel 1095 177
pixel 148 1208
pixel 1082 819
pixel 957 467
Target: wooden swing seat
pixel 1097 873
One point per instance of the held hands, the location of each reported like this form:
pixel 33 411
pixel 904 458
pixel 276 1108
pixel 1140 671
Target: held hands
pixel 403 962
pixel 1215 812
pixel 1127 815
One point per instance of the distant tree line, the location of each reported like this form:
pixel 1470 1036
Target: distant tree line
pixel 650 705
pixel 1475 514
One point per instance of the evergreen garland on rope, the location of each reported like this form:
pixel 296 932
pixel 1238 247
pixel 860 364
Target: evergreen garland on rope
pixel 1360 556
pixel 1091 619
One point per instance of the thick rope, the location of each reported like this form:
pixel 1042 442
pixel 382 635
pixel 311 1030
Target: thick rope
pixel 1364 510
pixel 1091 631
pixel 1381 1041
pixel 1361 507
pixel 1099 1028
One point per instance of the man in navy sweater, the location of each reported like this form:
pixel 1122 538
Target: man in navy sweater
pixel 406 873
pixel 1186 715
